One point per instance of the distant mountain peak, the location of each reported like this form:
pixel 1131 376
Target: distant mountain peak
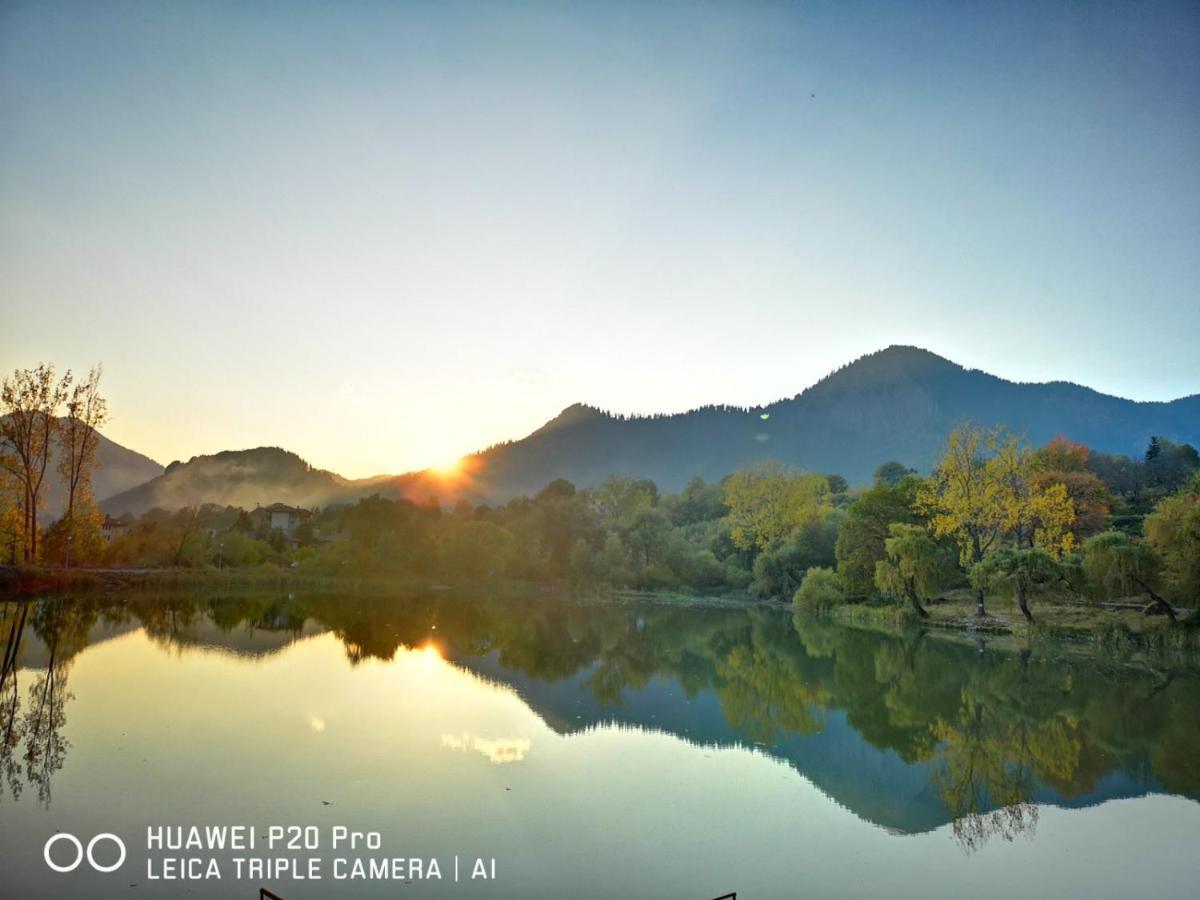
pixel 899 403
pixel 899 358
pixel 246 478
pixel 575 414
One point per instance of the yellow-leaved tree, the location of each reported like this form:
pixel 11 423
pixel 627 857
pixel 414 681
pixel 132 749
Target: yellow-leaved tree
pixel 982 492
pixel 1033 512
pixel 769 501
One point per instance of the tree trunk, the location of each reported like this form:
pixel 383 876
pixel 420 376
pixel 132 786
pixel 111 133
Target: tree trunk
pixel 1023 602
pixel 1160 604
pixel 980 609
pixel 915 601
pixel 33 535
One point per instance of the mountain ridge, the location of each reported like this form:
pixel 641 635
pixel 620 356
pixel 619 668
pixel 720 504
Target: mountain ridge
pixel 897 403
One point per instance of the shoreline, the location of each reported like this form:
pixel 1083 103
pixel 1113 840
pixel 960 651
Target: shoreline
pixel 1112 626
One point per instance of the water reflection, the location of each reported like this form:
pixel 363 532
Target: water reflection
pixel 908 731
pixel 33 747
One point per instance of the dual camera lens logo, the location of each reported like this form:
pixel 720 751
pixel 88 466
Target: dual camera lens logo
pixel 80 853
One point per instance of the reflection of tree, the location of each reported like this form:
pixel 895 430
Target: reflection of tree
pixel 45 746
pixel 15 616
pixel 762 696
pixel 986 779
pixel 40 728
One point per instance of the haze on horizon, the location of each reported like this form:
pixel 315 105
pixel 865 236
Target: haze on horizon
pixel 386 235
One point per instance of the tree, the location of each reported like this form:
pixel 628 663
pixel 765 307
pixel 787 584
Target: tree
pixel 480 549
pixel 698 502
pixel 581 564
pixel 1068 463
pixel 1117 565
pixel 769 501
pixel 647 534
pixel 962 496
pixel 779 569
pixel 612 565
pixel 1168 465
pixel 29 402
pixel 619 497
pixel 1033 513
pixel 983 491
pixel 912 567
pixel 890 473
pixel 78 539
pixel 864 529
pixel 12 528
pixel 1023 570
pixel 78 437
pixel 1173 531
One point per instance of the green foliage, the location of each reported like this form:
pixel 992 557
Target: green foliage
pixel 646 535
pixel 780 568
pixel 861 537
pixel 479 549
pixel 891 473
pixel 697 502
pixel 821 589
pixel 1173 531
pixel 237 549
pixel 1117 565
pixel 913 566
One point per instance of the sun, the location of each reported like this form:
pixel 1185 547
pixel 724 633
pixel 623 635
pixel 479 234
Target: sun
pixel 448 470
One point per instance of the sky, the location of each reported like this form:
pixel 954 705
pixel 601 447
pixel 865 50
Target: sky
pixel 384 235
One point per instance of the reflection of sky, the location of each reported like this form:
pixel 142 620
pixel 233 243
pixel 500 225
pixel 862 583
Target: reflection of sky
pixel 438 224
pixel 213 738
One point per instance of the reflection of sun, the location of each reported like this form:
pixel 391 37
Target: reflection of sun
pixel 430 654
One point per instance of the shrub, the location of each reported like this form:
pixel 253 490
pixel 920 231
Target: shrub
pixel 820 589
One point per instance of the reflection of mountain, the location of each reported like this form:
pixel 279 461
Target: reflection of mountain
pixel 34 653
pixel 906 732
pixel 873 783
pixel 245 640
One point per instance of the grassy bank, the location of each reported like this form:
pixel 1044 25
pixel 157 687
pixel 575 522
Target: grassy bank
pixel 1114 628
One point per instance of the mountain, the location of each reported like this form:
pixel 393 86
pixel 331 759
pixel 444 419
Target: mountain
pixel 245 478
pixel 118 469
pixel 899 403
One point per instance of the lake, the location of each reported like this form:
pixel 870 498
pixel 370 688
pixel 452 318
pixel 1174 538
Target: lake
pixel 580 750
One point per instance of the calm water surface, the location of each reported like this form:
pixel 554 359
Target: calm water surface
pixel 590 750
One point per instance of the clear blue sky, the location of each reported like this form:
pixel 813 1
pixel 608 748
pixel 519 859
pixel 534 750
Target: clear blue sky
pixel 386 234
